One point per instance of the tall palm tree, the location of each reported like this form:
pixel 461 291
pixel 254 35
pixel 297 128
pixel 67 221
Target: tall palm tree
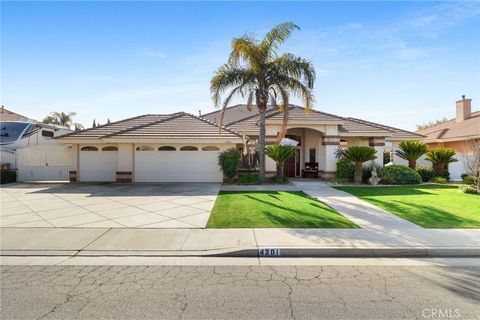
pixel 440 158
pixel 62 119
pixel 255 70
pixel 280 154
pixel 359 155
pixel 411 151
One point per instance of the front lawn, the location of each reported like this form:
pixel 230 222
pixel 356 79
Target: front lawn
pixel 430 206
pixel 273 209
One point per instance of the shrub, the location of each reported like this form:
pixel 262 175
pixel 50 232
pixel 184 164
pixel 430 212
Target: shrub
pixel 340 180
pixel 440 158
pixel 438 179
pixel 249 179
pixel 274 179
pixel 8 176
pixel 470 190
pixel 387 178
pixel 228 161
pixel 359 155
pixel 468 179
pixel 280 153
pixel 367 171
pixel 345 169
pixel 411 151
pixel 425 172
pixel 401 175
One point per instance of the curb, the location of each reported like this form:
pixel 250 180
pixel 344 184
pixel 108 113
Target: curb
pixel 290 252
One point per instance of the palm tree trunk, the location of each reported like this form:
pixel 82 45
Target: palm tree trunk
pixel 412 164
pixel 357 179
pixel 279 172
pixel 261 145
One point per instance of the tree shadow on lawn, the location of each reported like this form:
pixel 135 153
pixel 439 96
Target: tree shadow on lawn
pixel 303 219
pixel 425 215
pixel 406 190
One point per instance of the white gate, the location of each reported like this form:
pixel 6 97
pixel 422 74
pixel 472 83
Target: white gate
pixel 47 162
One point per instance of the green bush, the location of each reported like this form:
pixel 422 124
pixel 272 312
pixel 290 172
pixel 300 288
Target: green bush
pixel 229 161
pixel 8 176
pixel 345 169
pixel 387 178
pixel 468 178
pixel 470 190
pixel 249 179
pixel 438 179
pixel 367 171
pixel 273 179
pixel 401 175
pixel 340 180
pixel 425 172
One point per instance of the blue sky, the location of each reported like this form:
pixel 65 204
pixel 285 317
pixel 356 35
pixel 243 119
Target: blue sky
pixel 397 63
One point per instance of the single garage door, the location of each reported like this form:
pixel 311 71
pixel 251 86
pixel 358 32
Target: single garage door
pixel 98 164
pixel 169 164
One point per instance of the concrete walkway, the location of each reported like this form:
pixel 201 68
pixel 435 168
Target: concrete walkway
pixel 240 242
pixel 362 213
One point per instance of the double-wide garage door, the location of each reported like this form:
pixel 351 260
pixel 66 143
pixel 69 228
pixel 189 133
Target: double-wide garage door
pixel 177 166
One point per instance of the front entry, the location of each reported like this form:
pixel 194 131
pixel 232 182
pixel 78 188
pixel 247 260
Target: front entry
pixel 291 168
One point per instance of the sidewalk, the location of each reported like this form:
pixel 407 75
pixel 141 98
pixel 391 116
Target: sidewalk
pixel 241 242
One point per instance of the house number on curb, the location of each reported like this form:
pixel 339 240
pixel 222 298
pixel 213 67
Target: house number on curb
pixel 269 252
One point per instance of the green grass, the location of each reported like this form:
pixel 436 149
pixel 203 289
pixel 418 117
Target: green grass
pixel 273 209
pixel 430 206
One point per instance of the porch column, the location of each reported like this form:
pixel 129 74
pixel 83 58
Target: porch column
pixel 73 170
pixel 125 162
pixel 330 143
pixel 378 143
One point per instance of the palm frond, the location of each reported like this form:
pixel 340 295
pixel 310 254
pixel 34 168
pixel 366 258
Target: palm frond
pixel 275 37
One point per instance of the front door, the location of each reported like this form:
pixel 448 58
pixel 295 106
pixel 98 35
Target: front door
pixel 291 168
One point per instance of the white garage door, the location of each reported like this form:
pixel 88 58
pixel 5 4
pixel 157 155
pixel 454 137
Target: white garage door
pixel 98 165
pixel 177 166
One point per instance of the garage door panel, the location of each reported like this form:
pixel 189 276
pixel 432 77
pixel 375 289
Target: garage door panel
pixel 98 165
pixel 177 166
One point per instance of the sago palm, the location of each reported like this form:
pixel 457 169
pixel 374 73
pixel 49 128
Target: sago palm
pixel 359 155
pixel 411 151
pixel 440 158
pixel 280 154
pixel 256 71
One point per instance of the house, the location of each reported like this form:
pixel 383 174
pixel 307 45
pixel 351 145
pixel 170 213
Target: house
pixel 457 134
pixel 182 147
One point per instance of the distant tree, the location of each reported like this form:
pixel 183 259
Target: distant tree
pixel 94 124
pixel 108 120
pixel 431 123
pixel 62 119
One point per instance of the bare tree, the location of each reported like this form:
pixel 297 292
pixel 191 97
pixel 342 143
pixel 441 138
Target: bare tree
pixel 471 162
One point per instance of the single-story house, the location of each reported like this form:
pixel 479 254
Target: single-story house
pixel 183 147
pixel 456 134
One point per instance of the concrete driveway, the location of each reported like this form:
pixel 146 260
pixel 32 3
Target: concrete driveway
pixel 169 205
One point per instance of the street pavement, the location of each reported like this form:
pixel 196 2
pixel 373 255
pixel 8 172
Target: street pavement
pixel 240 292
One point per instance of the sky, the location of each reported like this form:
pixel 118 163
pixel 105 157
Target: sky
pixel 396 63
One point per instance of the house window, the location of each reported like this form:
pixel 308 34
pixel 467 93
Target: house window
pixel 46 133
pixel 312 155
pixel 110 148
pixel 210 148
pixel 145 148
pixel 167 148
pixel 188 148
pixel 89 148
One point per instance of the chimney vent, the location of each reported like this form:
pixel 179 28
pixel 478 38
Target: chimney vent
pixel 464 109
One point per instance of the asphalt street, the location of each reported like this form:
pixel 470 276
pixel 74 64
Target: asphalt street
pixel 239 292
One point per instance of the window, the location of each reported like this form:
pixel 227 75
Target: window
pixel 312 155
pixel 46 133
pixel 110 148
pixel 189 148
pixel 210 148
pixel 11 131
pixel 167 148
pixel 145 148
pixel 89 148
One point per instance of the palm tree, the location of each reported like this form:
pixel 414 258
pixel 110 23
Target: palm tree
pixel 440 158
pixel 411 151
pixel 359 155
pixel 280 154
pixel 62 119
pixel 255 70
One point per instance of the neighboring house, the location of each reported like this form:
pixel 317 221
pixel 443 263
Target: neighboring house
pixel 181 147
pixel 456 134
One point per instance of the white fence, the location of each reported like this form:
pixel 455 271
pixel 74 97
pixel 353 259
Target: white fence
pixel 47 162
